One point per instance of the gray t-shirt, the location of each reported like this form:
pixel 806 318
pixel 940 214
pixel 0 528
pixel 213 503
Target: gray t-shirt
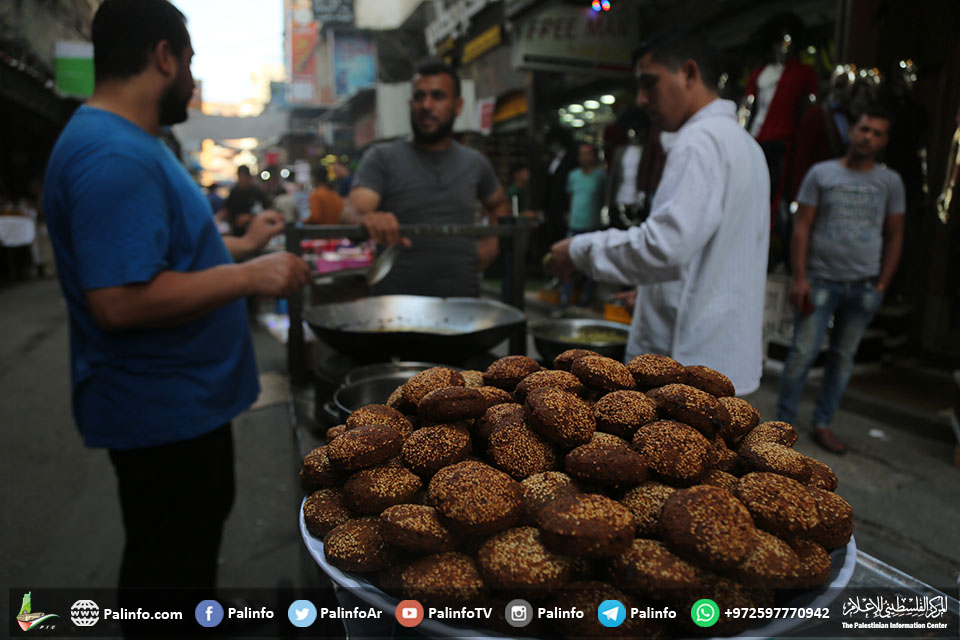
pixel 846 242
pixel 429 187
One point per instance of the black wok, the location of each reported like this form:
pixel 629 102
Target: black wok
pixel 447 330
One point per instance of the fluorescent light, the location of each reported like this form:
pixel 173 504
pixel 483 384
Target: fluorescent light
pixel 575 108
pixel 607 99
pixel 577 123
pixel 591 104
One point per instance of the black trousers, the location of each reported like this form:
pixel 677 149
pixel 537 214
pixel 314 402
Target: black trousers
pixel 175 498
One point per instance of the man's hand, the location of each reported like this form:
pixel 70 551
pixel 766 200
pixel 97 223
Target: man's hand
pixel 263 227
pixel 242 220
pixel 560 263
pixel 801 296
pixel 278 274
pixel 628 298
pixel 384 228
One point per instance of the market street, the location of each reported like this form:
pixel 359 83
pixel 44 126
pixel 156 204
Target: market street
pixel 61 525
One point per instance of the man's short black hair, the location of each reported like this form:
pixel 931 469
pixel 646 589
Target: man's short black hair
pixel 319 174
pixel 675 45
pixel 876 111
pixel 436 66
pixel 243 170
pixel 126 31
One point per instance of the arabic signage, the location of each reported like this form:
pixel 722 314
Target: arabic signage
pixel 574 39
pixel 484 42
pixel 333 11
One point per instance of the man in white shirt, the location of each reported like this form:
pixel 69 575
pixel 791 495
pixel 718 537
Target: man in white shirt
pixel 700 258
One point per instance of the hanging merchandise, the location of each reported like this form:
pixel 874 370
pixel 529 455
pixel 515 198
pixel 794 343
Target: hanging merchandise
pixel 950 182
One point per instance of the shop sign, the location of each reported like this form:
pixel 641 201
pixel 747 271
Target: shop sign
pixel 572 39
pixel 333 11
pixel 354 62
pixel 511 106
pixel 485 107
pixel 74 68
pixel 303 35
pixel 484 42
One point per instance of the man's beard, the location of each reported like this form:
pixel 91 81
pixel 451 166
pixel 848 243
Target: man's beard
pixel 173 107
pixel 442 131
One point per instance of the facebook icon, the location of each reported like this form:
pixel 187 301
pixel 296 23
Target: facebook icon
pixel 209 613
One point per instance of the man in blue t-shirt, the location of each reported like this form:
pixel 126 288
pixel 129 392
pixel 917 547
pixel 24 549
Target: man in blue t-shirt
pixel 846 244
pixel 587 186
pixel 160 348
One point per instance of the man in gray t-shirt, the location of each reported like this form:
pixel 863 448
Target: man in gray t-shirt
pixel 430 179
pixel 846 244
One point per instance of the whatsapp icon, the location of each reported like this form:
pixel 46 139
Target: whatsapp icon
pixel 705 613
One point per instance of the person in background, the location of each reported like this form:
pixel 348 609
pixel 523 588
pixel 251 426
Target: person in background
pixel 286 202
pixel 699 260
pixel 429 179
pixel 344 178
pixel 518 193
pixel 213 198
pixel 587 186
pixel 556 204
pixel 847 238
pixel 325 203
pixel 246 199
pixel 161 354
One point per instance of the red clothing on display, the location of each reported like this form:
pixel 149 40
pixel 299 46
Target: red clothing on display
pixel 817 140
pixel 796 83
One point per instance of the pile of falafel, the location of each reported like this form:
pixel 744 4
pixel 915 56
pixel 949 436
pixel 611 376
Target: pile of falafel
pixel 648 483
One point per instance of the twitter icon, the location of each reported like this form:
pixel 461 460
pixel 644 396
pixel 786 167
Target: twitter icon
pixel 611 613
pixel 302 613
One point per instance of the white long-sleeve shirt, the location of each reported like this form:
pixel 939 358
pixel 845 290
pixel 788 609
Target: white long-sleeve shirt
pixel 700 259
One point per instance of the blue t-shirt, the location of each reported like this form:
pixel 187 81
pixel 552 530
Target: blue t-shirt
pixel 121 209
pixel 587 191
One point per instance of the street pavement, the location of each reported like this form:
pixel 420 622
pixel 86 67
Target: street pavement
pixel 61 521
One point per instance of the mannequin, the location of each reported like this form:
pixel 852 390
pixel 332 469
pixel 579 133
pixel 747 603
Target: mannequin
pixel 781 89
pixel 623 200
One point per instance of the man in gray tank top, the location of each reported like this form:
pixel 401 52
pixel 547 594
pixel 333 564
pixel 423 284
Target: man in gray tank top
pixel 430 179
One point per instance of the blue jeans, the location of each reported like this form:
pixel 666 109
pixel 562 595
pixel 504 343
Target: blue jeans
pixel 852 306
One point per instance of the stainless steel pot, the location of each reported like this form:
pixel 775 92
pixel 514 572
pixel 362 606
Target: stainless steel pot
pixel 553 337
pixel 373 390
pixel 387 368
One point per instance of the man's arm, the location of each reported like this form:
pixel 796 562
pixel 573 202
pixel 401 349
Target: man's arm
pixel 496 205
pixel 800 292
pixel 261 229
pixel 892 247
pixel 173 297
pixel 688 214
pixel 361 208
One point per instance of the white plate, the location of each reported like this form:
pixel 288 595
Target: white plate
pixel 843 561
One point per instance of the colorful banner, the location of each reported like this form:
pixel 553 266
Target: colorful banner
pixel 354 62
pixel 301 40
